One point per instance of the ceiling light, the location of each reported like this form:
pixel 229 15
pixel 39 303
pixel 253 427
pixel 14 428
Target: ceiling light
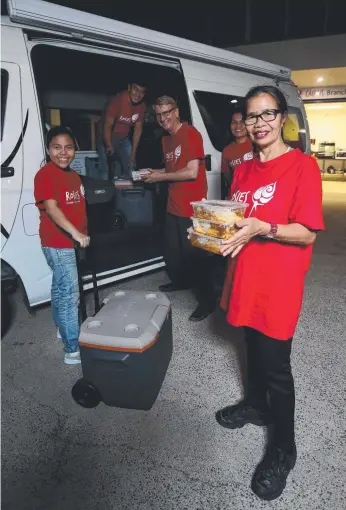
pixel 234 101
pixel 324 106
pixel 320 79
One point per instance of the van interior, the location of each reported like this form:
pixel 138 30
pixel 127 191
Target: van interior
pixel 73 87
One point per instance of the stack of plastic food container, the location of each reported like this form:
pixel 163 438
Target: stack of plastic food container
pixel 213 221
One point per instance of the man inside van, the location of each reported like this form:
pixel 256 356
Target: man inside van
pixel 235 153
pixel 122 112
pixel 185 174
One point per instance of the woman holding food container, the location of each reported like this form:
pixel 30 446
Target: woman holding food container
pixel 268 259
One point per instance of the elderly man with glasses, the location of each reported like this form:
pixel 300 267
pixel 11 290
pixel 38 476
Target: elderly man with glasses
pixel 185 173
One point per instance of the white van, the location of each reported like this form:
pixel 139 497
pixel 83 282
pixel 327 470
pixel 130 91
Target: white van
pixel 59 65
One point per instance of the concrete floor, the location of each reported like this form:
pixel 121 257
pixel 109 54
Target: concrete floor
pixel 58 456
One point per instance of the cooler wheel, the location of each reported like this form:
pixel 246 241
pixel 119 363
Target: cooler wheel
pixel 85 394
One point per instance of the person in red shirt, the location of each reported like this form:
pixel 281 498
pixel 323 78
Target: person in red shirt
pixel 186 174
pixel 235 153
pixel 263 292
pixel 59 196
pixel 123 111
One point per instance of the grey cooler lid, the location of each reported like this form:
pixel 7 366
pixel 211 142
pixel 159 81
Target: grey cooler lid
pixel 129 321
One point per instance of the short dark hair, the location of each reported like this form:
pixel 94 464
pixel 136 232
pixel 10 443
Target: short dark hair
pixel 59 130
pixel 274 92
pixel 237 109
pixel 139 82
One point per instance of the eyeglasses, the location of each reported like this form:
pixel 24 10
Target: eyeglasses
pixel 164 115
pixel 266 116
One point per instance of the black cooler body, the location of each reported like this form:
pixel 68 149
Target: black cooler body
pixel 126 348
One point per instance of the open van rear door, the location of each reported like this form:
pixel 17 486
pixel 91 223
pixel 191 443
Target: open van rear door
pixel 12 133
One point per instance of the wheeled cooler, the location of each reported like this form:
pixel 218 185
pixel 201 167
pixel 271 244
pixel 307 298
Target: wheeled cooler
pixel 136 203
pixel 125 350
pixel 127 345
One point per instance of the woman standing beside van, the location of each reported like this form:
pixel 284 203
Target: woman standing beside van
pixel 235 153
pixel 59 196
pixel 270 256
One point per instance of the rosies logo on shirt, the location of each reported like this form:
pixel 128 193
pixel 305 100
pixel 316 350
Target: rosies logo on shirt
pixel 129 120
pixel 169 156
pixel 73 197
pixel 235 162
pixel 261 196
pixel 177 152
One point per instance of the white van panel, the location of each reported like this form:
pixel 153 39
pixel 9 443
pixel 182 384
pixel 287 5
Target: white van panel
pixel 31 218
pixel 22 251
pixel 91 27
pixel 11 149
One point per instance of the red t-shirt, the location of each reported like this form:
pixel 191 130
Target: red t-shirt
pixel 234 155
pixel 66 188
pixel 178 149
pixel 124 113
pixel 265 281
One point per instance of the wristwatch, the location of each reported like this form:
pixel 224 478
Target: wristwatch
pixel 272 232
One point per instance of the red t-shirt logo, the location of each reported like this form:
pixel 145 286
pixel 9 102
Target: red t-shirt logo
pixel 177 152
pixel 261 196
pixel 72 197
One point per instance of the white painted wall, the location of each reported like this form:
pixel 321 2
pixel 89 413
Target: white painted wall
pixel 327 125
pixel 311 53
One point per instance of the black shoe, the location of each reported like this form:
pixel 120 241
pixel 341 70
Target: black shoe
pixel 170 287
pixel 201 313
pixel 269 479
pixel 235 417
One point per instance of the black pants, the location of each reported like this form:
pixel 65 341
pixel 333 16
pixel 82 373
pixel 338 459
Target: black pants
pixel 187 266
pixel 270 375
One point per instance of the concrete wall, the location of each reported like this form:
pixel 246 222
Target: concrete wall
pixel 313 53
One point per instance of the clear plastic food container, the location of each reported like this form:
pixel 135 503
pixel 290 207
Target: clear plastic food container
pixel 214 228
pixel 205 242
pixel 137 175
pixel 219 210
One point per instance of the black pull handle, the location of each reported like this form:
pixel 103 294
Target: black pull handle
pixel 7 171
pixel 130 191
pixel 208 162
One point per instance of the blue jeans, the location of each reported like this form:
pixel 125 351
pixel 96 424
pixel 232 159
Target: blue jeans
pixel 65 294
pixel 122 152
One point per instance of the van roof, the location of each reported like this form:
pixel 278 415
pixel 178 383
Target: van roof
pixel 57 19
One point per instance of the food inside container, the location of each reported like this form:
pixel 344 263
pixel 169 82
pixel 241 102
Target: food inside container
pixel 214 228
pixel 219 210
pixel 205 242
